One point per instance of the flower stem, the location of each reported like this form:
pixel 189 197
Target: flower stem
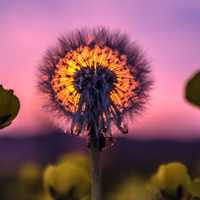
pixel 95 166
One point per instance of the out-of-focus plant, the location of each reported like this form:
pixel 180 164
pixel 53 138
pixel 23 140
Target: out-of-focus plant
pixel 9 107
pixel 30 181
pixel 171 182
pixel 69 179
pixel 192 93
pixel 194 188
pixel 133 188
pixel 30 176
pixel 76 159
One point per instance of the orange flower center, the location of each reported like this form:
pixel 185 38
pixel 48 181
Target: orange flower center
pixel 78 69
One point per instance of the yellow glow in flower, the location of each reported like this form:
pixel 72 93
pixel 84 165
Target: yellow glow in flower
pixel 67 67
pixel 9 107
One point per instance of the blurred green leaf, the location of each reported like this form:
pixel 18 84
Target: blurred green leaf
pixel 9 107
pixel 193 90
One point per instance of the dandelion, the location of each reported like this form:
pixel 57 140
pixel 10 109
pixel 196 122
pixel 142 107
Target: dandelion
pixel 92 80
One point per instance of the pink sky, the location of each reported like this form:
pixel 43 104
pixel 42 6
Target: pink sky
pixel 168 31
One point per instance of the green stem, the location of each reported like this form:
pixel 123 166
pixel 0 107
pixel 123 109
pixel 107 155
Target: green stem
pixel 95 167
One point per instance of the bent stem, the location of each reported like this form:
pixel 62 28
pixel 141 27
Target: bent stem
pixel 95 167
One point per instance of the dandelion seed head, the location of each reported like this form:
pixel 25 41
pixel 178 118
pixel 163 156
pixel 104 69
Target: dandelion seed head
pixel 94 77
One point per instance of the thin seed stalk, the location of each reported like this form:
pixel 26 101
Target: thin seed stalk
pixel 95 167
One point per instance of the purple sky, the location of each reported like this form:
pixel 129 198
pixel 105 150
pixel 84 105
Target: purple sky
pixel 168 31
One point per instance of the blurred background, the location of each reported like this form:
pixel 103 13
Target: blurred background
pixel 167 31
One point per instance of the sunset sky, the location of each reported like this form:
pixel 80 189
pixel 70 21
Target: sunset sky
pixel 168 32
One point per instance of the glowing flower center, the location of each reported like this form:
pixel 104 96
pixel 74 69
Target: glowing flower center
pixel 98 68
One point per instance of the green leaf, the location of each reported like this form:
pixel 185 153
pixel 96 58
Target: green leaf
pixel 193 90
pixel 9 107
